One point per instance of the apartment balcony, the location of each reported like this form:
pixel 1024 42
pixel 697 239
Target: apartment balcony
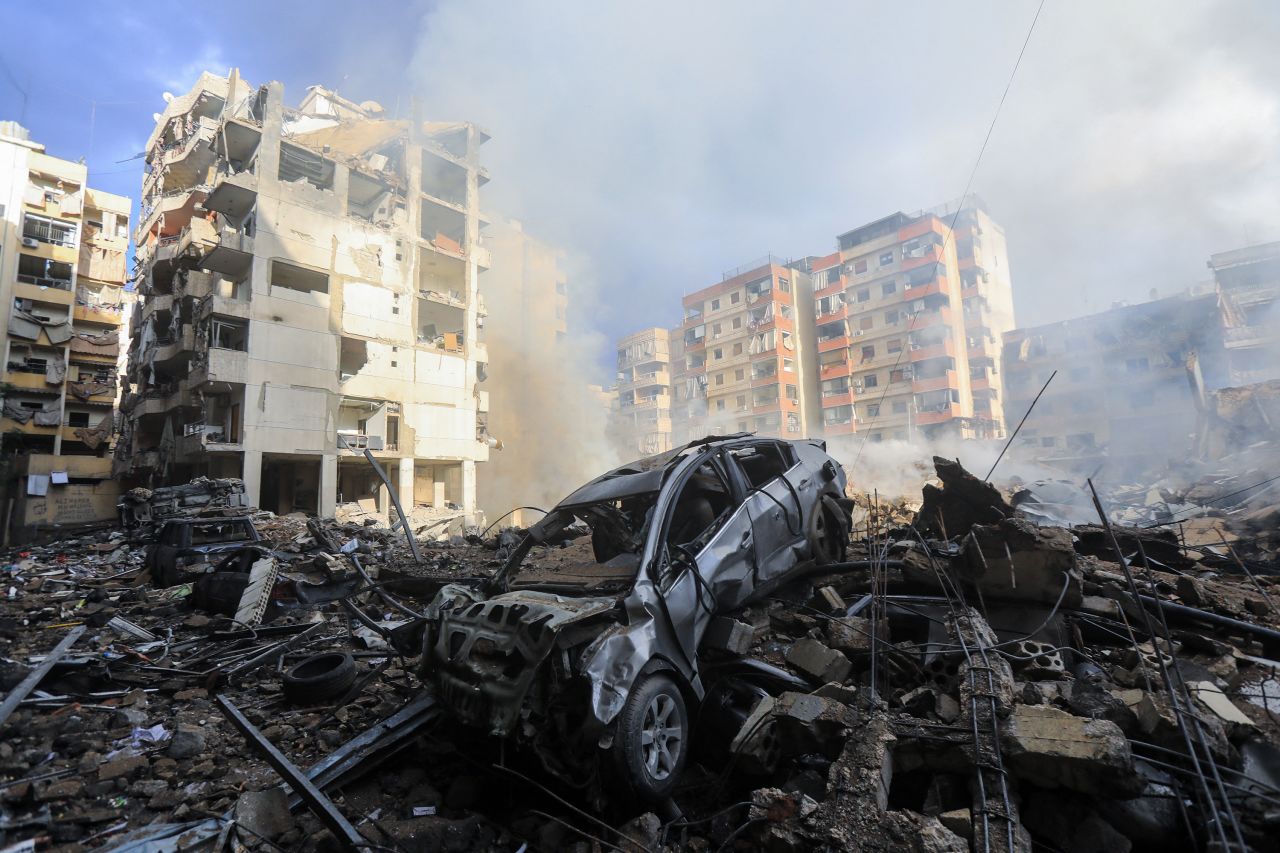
pixel 764 381
pixel 52 291
pixel 922 257
pixel 184 345
pixel 221 306
pixel 30 379
pixel 938 284
pixel 839 429
pixel 835 371
pixel 105 314
pixel 766 407
pixel 221 365
pixel 1244 337
pixel 652 401
pixel 186 159
pixel 656 377
pixel 935 383
pixel 29 428
pixel 155 303
pixel 228 250
pixel 841 313
pixel 940 316
pixel 925 352
pixel 938 414
pixel 691 320
pixel 829 289
pixel 147 460
pixel 199 439
pixel 830 344
pixel 839 398
pixel 233 195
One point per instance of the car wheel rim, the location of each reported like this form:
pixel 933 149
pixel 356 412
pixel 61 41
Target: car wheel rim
pixel 661 737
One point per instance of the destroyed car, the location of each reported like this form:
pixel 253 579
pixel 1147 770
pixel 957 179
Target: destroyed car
pixel 585 645
pixel 190 546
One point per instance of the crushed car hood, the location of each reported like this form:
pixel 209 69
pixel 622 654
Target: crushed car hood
pixel 484 653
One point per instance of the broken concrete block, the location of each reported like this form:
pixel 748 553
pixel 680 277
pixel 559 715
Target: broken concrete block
pixel 793 724
pixel 962 502
pixel 1031 659
pixel 959 821
pixel 1208 694
pixel 776 805
pixel 839 692
pixel 820 662
pixel 832 600
pixel 187 742
pixel 122 766
pixel 728 635
pixel 265 813
pixel 1054 749
pixel 1017 559
pixel 852 635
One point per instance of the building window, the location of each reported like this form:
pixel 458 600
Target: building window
pixel 742 402
pixel 720 405
pixel 717 354
pixel 894 345
pixel 871 380
pixel 833 276
pixel 719 378
pixel 788 366
pixel 899 407
pixel 791 393
pixel 865 323
pixel 876 437
pixel 891 317
pixel 896 376
pixel 868 352
pixel 886 258
pixel 889 287
pixel 715 330
pixel 715 304
pixel 740 374
pixel 873 410
pixel 735 298
pixel 860 265
pixel 737 323
pixel 784 285
pixel 737 349
pixel 863 295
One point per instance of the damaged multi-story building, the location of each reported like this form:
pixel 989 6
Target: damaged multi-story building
pixel 309 291
pixel 1127 382
pixel 643 404
pixel 1248 285
pixel 745 348
pixel 909 314
pixel 62 277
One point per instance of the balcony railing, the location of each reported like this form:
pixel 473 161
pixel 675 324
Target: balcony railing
pixel 45 281
pixel 47 232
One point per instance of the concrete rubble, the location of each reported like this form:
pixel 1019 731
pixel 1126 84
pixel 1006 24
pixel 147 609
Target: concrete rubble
pixel 982 679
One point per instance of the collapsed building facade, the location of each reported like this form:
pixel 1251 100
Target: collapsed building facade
pixel 1248 286
pixel 309 284
pixel 62 277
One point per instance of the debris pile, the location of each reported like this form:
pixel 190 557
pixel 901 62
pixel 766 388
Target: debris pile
pixel 998 671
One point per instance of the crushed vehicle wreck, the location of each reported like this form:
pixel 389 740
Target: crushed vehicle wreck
pixel 185 545
pixel 586 642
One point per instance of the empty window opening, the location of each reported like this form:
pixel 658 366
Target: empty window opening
pixel 299 164
pixel 229 334
pixel 443 227
pixel 443 178
pixel 298 278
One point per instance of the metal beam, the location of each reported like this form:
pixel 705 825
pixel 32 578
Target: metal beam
pixel 320 805
pixel 17 694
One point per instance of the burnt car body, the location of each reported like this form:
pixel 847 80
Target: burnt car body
pixel 188 546
pixel 586 641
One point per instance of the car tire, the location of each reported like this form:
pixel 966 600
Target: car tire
pixel 828 536
pixel 319 677
pixel 651 743
pixel 219 592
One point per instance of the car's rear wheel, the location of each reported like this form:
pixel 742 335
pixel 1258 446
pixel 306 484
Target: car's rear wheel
pixel 652 739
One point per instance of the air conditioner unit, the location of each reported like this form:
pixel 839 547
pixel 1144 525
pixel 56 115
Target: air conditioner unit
pixel 858 391
pixel 30 242
pixel 858 333
pixel 373 442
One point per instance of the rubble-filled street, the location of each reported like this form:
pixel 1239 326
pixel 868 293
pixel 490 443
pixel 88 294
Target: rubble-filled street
pixel 986 669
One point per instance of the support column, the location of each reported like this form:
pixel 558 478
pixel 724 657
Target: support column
pixel 406 485
pixel 328 485
pixel 251 473
pixel 467 500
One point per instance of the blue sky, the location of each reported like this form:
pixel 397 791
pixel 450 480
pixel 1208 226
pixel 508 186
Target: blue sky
pixel 661 143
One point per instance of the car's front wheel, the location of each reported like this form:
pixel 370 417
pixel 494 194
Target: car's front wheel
pixel 652 738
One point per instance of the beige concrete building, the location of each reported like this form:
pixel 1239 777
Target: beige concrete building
pixel 310 288
pixel 643 403
pixel 747 353
pixel 1248 285
pixel 62 277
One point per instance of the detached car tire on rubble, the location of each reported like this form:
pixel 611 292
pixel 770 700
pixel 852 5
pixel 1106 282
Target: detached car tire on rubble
pixel 586 646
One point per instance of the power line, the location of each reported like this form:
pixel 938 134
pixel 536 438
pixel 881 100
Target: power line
pixel 956 217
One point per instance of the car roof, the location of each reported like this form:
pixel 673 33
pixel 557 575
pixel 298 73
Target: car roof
pixel 199 519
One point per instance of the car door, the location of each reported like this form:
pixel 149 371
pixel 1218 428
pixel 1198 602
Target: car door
pixel 723 562
pixel 165 559
pixel 776 487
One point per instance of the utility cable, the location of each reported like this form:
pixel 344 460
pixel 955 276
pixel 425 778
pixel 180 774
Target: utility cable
pixel 959 207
